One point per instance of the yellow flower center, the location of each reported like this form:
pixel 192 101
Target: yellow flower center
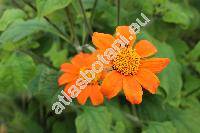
pixel 127 62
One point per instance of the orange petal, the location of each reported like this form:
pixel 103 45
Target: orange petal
pixel 102 41
pixel 82 60
pixel 85 93
pixel 112 84
pixel 144 48
pixel 96 96
pixel 132 90
pixel 148 80
pixel 69 68
pixel 66 78
pixel 156 65
pixel 67 88
pixel 124 31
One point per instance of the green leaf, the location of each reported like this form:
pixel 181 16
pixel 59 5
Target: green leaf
pixel 9 16
pixel 185 121
pixel 170 77
pixel 151 107
pixel 190 102
pixel 119 127
pixel 194 53
pixel 94 120
pixel 22 123
pixel 8 107
pixel 160 127
pixel 23 44
pixel 152 6
pixel 59 127
pixel 56 55
pixel 176 14
pixel 180 47
pixel 147 6
pixel 22 29
pixel 16 72
pixel 46 7
pixel 197 66
pixel 44 84
pixel 119 117
pixel 191 83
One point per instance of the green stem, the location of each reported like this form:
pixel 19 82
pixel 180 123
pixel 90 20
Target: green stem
pixel 118 12
pixel 93 11
pixel 70 24
pixel 192 92
pixel 134 110
pixel 74 38
pixel 85 18
pixel 58 29
pixel 91 20
pixel 135 119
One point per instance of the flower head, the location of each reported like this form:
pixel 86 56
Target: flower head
pixel 132 70
pixel 81 62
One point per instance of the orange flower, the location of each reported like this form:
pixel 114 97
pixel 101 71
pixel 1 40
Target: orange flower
pixel 81 62
pixel 131 69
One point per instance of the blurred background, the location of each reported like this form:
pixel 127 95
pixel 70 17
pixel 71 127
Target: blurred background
pixel 37 36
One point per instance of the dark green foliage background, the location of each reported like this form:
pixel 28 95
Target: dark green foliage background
pixel 37 36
